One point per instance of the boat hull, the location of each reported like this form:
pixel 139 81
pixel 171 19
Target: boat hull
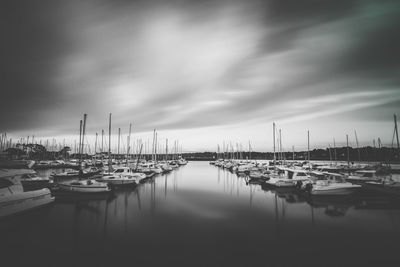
pixel 83 188
pixel 334 192
pixel 24 201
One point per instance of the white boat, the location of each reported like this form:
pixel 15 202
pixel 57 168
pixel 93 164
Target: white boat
pixel 182 161
pixel 333 184
pixel 363 176
pixel 84 186
pixel 286 177
pixel 13 199
pixel 122 176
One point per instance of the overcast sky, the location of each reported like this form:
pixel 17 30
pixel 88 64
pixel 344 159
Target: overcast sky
pixel 202 71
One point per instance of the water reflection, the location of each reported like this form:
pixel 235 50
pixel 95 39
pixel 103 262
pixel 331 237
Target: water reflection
pixel 200 214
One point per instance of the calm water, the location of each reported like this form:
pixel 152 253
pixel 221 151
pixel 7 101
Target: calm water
pixel 200 215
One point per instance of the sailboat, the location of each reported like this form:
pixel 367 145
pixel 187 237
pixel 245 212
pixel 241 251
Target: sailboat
pixel 83 186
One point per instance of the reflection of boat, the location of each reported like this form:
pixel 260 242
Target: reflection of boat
pixel 13 199
pixel 84 186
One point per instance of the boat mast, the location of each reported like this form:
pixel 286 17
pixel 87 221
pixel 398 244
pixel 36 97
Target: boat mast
pixel 95 150
pixel 334 150
pixel 155 147
pixel 397 133
pixel 348 153
pixel 166 150
pixel 80 140
pixel 358 149
pixel 109 142
pixel 308 149
pixel 83 132
pixel 128 141
pixel 152 148
pixel 119 140
pixel 273 136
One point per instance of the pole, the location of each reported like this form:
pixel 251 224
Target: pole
pixel 358 148
pixel 273 136
pixel 119 140
pixel 397 133
pixel 348 152
pixel 109 142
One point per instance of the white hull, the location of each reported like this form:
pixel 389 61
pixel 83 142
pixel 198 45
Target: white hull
pixel 281 182
pixel 100 188
pixel 333 190
pixel 20 202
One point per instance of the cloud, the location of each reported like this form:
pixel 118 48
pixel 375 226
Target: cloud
pixel 196 64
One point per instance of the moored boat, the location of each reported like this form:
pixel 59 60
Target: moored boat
pixel 13 199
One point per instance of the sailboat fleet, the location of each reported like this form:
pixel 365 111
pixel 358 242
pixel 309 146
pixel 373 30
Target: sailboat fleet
pixel 24 189
pixel 314 179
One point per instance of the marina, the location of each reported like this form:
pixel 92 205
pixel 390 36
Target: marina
pixel 200 133
pixel 200 214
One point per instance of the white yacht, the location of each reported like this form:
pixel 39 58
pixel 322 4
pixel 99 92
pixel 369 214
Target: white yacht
pixel 333 184
pixel 13 199
pixel 286 177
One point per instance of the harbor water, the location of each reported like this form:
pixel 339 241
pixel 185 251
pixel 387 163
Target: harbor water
pixel 202 215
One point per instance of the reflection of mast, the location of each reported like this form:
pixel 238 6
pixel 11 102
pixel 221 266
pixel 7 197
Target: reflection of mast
pixel 105 223
pixel 165 185
pixel 126 210
pixel 276 216
pixel 312 216
pixel 138 198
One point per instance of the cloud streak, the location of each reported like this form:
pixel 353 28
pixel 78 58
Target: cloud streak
pixel 190 65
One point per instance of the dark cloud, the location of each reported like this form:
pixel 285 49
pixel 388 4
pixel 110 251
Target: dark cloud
pixel 187 64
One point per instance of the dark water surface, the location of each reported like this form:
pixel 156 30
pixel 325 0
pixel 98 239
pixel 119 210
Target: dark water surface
pixel 200 215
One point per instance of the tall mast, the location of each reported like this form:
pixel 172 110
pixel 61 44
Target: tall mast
pixel 95 147
pixel 109 141
pixel 348 152
pixel 334 150
pixel 152 148
pixel 128 143
pixel 166 150
pixel 119 140
pixel 83 131
pixel 358 149
pixel 397 133
pixel 308 148
pixel 280 145
pixel 102 136
pixel 273 134
pixel 80 140
pixel 155 148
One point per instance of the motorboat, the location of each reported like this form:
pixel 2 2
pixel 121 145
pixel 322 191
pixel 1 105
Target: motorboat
pixel 30 180
pixel 13 198
pixel 333 184
pixel 287 177
pixel 83 186
pixel 363 176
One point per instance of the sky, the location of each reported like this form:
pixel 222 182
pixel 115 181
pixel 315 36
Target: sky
pixel 202 72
